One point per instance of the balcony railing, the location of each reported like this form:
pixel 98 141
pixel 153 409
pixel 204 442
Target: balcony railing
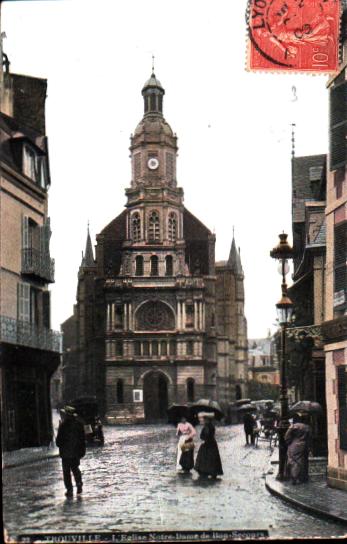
pixel 37 263
pixel 23 333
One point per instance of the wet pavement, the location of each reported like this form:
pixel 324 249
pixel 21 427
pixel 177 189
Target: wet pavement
pixel 132 484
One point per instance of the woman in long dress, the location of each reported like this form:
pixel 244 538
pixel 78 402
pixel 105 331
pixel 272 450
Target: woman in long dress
pixel 208 461
pixel 185 447
pixel 298 439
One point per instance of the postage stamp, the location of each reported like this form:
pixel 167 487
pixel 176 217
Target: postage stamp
pixel 293 35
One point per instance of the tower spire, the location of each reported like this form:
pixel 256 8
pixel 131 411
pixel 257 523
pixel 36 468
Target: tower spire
pixel 153 57
pixel 88 254
pixel 234 261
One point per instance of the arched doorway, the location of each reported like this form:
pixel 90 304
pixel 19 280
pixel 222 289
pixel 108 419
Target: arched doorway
pixel 155 397
pixel 238 392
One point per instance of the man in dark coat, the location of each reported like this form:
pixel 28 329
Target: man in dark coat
pixel 72 447
pixel 248 425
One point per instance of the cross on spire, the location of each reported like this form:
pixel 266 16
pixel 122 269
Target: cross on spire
pixel 153 57
pixel 293 139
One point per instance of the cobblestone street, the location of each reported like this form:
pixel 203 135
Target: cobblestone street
pixel 132 484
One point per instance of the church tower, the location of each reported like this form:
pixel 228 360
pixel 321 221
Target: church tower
pixel 154 221
pixel 231 328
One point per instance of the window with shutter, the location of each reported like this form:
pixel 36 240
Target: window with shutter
pixel 34 306
pixel 342 403
pixel 23 298
pixel 29 168
pixel 340 262
pixel 338 126
pixel 339 178
pixel 25 232
pixel 45 235
pixel 46 309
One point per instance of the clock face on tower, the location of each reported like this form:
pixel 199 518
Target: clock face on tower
pixel 153 163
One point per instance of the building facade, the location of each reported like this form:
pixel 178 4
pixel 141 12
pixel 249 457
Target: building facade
pixel 263 362
pixel 335 325
pixel 29 349
pixel 147 329
pixel 305 343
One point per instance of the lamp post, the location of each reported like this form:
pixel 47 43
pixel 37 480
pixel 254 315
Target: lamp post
pixel 282 252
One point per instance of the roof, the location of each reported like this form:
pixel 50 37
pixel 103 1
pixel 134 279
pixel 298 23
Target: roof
pixel 234 260
pixel 193 228
pixel 116 228
pixel 88 258
pixel 153 82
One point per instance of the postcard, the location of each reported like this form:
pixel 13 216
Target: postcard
pixel 173 277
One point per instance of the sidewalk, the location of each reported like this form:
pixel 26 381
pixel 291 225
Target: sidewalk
pixel 25 456
pixel 16 458
pixel 315 496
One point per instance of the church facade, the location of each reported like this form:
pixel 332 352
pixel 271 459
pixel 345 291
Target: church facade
pixel 157 321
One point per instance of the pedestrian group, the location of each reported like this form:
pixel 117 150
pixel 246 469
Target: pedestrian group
pixel 208 461
pixel 71 443
pixel 298 439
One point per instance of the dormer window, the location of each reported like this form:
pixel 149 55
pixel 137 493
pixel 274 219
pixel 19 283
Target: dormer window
pixel 34 165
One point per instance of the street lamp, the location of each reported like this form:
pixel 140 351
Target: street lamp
pixel 282 252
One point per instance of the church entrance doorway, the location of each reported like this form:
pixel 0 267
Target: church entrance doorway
pixel 155 397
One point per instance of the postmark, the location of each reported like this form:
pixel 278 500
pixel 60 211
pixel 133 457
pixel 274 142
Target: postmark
pixel 294 35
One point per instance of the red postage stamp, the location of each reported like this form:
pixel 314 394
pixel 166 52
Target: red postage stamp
pixel 294 35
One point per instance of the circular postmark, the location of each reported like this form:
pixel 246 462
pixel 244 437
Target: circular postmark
pixel 280 30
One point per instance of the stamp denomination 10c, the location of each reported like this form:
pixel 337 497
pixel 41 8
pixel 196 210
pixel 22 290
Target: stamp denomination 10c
pixel 294 35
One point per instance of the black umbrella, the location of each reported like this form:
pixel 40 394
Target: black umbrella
pixel 247 408
pixel 306 406
pixel 209 406
pixel 240 402
pixel 176 411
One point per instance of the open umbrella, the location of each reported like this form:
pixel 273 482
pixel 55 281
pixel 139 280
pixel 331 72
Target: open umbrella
pixel 209 406
pixel 247 408
pixel 176 411
pixel 307 406
pixel 240 402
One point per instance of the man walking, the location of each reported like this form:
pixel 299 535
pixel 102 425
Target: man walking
pixel 248 425
pixel 72 447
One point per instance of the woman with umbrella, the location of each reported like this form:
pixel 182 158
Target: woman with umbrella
pixel 298 440
pixel 208 461
pixel 185 447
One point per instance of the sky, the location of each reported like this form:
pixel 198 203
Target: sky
pixel 233 126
